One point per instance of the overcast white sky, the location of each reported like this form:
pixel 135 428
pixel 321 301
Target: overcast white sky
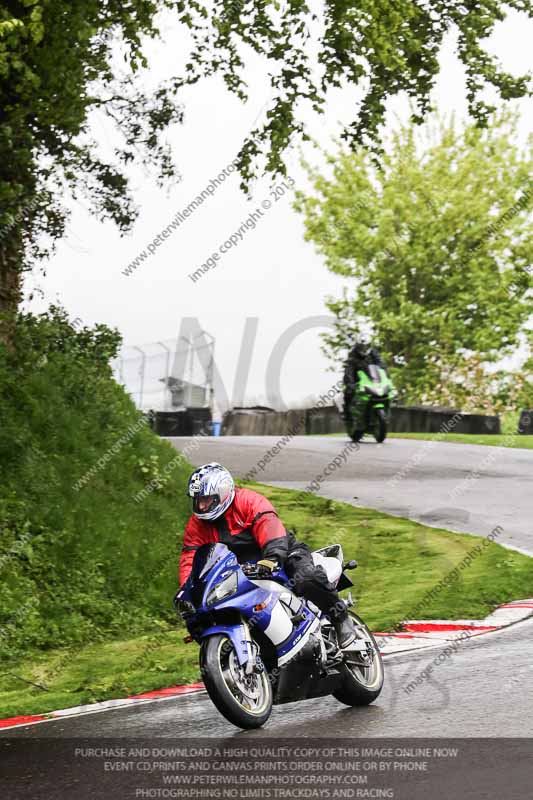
pixel 272 275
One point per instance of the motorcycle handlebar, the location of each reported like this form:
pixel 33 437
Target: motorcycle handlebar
pixel 251 570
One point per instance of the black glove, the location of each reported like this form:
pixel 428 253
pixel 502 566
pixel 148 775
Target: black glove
pixel 176 600
pixel 184 608
pixel 266 566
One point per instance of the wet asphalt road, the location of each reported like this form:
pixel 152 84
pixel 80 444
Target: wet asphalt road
pixel 464 488
pixel 484 690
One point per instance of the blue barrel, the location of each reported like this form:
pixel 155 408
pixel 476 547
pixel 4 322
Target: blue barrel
pixel 215 428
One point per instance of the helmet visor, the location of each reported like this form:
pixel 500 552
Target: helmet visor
pixel 204 504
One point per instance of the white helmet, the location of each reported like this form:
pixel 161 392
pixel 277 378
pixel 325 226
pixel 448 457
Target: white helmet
pixel 211 481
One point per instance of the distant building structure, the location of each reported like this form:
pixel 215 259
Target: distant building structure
pixel 184 394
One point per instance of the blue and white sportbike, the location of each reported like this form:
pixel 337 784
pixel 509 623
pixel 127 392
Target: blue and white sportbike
pixel 262 645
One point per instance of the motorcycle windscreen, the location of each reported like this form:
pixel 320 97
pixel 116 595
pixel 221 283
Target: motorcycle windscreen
pixel 205 558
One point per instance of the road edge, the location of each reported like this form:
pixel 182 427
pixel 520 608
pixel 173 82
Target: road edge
pixel 412 635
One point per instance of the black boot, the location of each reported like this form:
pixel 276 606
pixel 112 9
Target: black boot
pixel 345 631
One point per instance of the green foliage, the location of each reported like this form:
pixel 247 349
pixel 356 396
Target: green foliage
pixel 469 385
pixel 439 243
pixel 150 469
pixel 382 48
pixel 79 559
pixel 58 63
pixel 57 67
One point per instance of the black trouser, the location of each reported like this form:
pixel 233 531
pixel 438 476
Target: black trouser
pixel 310 581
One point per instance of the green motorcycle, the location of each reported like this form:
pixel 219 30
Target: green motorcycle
pixel 367 407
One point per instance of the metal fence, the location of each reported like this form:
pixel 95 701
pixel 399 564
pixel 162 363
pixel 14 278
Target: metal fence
pixel 167 375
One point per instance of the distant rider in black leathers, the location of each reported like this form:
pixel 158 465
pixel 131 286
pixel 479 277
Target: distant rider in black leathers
pixel 359 358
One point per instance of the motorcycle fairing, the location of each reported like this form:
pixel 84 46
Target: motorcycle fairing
pixel 214 563
pixel 239 639
pixel 377 383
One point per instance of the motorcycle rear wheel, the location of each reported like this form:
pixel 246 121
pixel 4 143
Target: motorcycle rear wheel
pixel 245 700
pixel 361 685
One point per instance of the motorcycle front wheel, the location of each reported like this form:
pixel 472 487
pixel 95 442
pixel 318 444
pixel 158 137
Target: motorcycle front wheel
pixel 245 700
pixel 362 676
pixel 354 423
pixel 380 425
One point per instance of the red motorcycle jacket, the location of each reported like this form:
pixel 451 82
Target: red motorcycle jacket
pixel 250 528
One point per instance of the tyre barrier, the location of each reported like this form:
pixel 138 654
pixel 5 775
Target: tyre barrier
pixel 425 419
pixel 188 422
pixel 525 423
pixel 403 419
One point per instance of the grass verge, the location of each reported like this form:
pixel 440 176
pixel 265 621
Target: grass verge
pixel 400 561
pixel 494 440
pixel 523 442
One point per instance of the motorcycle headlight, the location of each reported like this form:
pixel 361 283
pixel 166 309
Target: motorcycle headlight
pixel 224 589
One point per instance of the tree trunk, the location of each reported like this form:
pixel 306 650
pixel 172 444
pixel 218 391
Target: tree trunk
pixel 11 261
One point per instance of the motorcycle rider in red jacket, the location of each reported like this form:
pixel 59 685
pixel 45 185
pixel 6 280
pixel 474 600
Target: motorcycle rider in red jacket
pixel 247 523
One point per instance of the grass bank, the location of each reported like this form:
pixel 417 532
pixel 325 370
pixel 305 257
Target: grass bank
pixel 400 562
pixel 493 440
pixel 92 503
